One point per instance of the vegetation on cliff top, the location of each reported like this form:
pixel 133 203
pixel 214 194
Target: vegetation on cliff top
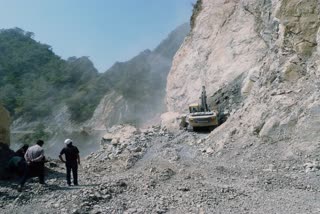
pixel 197 7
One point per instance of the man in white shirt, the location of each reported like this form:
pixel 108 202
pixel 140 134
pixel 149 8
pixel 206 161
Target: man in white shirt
pixel 35 163
pixel 35 153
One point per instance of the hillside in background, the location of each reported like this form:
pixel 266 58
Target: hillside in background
pixel 36 83
pixel 34 80
pixel 138 85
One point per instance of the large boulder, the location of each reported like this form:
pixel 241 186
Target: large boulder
pixel 4 126
pixel 171 121
pixel 5 152
pixel 118 134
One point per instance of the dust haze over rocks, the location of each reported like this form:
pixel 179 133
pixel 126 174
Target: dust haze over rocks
pixel 153 171
pixel 138 85
pixel 259 61
pixel 129 92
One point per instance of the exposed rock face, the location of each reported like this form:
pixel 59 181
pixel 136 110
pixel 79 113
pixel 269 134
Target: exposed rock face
pixel 105 115
pixel 222 46
pixel 4 126
pixel 299 25
pixel 272 48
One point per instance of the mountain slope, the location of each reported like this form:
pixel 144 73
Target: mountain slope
pixel 34 81
pixel 258 59
pixel 37 85
pixel 138 85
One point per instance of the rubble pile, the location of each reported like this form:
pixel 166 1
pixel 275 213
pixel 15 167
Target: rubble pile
pixel 153 171
pixel 123 146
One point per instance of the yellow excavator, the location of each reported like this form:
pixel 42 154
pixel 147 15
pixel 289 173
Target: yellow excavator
pixel 200 115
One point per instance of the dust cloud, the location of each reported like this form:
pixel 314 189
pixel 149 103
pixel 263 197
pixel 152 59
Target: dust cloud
pixel 86 143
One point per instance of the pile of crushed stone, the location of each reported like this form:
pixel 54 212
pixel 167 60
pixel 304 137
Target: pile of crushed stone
pixel 153 171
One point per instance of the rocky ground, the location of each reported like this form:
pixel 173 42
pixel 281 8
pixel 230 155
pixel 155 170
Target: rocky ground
pixel 156 172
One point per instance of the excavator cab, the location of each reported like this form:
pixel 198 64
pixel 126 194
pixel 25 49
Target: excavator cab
pixel 193 108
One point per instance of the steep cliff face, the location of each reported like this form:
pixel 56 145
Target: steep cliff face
pixel 223 45
pixel 260 59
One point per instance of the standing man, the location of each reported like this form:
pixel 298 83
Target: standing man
pixel 35 159
pixel 72 160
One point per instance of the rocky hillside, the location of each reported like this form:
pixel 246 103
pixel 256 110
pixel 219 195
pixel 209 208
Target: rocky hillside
pixel 152 171
pixel 259 60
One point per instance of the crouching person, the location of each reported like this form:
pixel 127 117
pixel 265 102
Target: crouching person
pixel 35 159
pixel 72 159
pixel 17 166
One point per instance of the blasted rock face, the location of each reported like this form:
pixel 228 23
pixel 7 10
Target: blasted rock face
pixel 231 39
pixel 299 23
pixel 272 48
pixel 4 126
pixel 223 45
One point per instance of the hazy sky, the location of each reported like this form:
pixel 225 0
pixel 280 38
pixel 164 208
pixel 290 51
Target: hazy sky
pixel 105 30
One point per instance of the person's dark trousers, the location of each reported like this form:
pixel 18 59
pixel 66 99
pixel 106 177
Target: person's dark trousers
pixel 39 171
pixel 74 168
pixel 33 169
pixel 21 168
pixel 26 175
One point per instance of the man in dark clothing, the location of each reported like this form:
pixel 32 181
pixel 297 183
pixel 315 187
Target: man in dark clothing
pixel 5 154
pixel 72 160
pixel 17 165
pixel 22 151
